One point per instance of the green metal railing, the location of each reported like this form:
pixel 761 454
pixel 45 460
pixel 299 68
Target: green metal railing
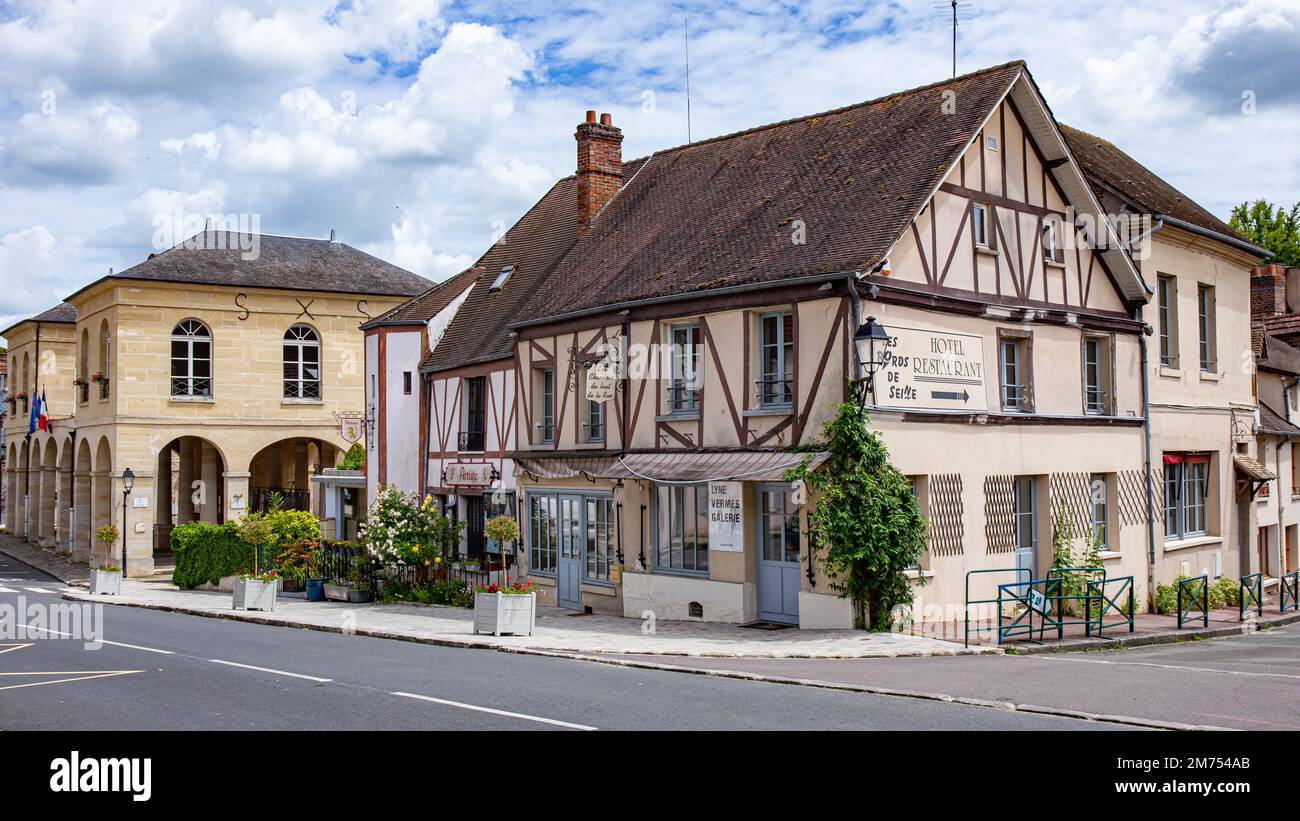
pixel 969 601
pixel 1022 594
pixel 1110 596
pixel 1193 593
pixel 1290 586
pixel 1252 595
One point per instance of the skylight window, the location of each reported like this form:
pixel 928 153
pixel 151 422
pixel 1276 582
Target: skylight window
pixel 502 277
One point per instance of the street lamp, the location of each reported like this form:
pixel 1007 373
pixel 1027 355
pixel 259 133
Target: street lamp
pixel 128 482
pixel 876 337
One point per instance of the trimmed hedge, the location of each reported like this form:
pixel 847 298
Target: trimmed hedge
pixel 205 552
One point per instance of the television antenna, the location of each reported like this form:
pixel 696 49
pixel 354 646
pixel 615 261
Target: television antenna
pixel 956 11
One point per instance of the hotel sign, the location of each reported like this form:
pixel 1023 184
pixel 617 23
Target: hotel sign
pixel 469 474
pixel 932 370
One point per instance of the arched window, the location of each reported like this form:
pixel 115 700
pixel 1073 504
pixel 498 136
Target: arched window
pixel 191 359
pixel 301 363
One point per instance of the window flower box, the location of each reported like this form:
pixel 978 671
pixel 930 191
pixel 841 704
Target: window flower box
pixel 106 581
pixel 499 613
pixel 255 592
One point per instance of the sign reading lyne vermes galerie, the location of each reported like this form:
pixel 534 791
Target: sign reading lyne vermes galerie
pixel 726 522
pixel 935 370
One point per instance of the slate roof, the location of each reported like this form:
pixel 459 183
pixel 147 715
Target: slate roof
pixel 427 305
pixel 1107 166
pixel 722 212
pixel 64 312
pixel 292 263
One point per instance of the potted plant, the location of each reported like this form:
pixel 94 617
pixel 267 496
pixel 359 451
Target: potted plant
pixel 509 608
pixel 350 583
pixel 255 591
pixel 106 577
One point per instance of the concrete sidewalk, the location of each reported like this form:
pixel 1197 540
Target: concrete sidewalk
pixel 556 631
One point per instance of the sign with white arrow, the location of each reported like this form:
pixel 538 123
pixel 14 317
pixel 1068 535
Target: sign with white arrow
pixel 932 370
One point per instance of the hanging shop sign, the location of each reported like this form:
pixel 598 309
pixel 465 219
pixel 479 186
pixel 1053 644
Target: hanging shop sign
pixel 932 370
pixel 351 425
pixel 602 380
pixel 469 474
pixel 726 520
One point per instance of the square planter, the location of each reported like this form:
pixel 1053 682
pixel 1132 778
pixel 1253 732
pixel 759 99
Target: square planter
pixel 254 595
pixel 501 613
pixel 106 582
pixel 338 592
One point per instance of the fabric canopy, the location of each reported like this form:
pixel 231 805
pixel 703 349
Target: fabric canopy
pixel 689 467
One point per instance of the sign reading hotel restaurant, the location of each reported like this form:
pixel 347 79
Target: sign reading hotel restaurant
pixel 470 474
pixel 934 370
pixel 726 521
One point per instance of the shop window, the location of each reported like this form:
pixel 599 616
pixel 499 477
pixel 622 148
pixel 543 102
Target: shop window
pixel 600 547
pixel 543 533
pixel 681 528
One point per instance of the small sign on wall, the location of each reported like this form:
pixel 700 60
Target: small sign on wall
pixel 139 501
pixel 726 519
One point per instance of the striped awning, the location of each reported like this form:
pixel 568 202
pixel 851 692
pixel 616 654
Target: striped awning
pixel 721 466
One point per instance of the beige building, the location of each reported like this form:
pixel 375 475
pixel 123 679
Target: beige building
pixel 215 371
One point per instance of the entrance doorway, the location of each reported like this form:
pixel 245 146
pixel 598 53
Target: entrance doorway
pixel 568 559
pixel 778 554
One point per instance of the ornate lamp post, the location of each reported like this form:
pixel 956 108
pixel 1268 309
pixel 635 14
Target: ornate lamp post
pixel 128 482
pixel 877 341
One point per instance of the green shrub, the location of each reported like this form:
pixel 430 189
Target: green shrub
pixel 354 459
pixel 1226 592
pixel 205 552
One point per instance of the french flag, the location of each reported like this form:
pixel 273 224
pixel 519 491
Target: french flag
pixel 40 415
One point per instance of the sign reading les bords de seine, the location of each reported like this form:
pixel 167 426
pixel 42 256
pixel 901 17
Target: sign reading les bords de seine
pixel 934 370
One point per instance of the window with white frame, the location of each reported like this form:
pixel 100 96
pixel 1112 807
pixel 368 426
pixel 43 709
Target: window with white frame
pixel 1097 366
pixel 682 528
pixel 775 383
pixel 545 392
pixel 1187 487
pixel 1205 325
pixel 1099 507
pixel 980 224
pixel 543 532
pixel 684 374
pixel 1052 250
pixel 595 424
pixel 1167 316
pixel 191 359
pixel 301 363
pixel 600 547
pixel 1015 371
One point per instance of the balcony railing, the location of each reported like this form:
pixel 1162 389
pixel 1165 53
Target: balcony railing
pixel 83 391
pixel 682 397
pixel 103 388
pixel 1095 401
pixel 1015 397
pixel 773 391
pixel 471 440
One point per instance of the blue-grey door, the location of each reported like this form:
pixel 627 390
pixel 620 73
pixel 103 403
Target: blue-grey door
pixel 777 534
pixel 568 569
pixel 1026 520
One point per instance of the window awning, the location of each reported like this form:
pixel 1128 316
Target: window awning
pixel 1252 469
pixel 748 466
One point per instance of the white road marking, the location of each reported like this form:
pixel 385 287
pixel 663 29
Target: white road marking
pixel 103 641
pixel 7 590
pixel 269 670
pixel 476 708
pixel 40 590
pixel 1172 667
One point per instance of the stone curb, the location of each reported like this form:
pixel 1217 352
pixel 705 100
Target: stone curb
pixel 1008 706
pixel 567 652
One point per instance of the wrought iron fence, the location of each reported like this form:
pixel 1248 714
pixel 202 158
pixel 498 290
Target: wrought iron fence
pixel 1110 596
pixel 1252 595
pixel 1193 594
pixel 260 499
pixel 346 564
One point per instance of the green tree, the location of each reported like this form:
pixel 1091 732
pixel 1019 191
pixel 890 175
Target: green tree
pixel 1270 227
pixel 865 524
pixel 355 458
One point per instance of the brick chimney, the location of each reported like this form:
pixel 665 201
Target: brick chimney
pixel 1267 291
pixel 600 166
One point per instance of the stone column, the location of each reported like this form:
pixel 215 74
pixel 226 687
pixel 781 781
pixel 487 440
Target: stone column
pixel 64 512
pixel 162 503
pixel 138 530
pixel 185 511
pixel 211 476
pixel 236 493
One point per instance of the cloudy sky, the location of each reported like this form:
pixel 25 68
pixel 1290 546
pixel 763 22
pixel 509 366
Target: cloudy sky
pixel 418 129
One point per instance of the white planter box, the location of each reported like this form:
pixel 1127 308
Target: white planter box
pixel 254 595
pixel 499 613
pixel 106 582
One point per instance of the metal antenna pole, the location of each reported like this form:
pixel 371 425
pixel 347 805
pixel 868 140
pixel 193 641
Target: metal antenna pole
pixel 686 29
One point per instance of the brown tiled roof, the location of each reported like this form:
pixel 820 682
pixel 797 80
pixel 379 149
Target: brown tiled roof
pixel 292 263
pixel 64 312
pixel 1270 421
pixel 722 212
pixel 427 305
pixel 1282 327
pixel 1108 167
pixel 480 332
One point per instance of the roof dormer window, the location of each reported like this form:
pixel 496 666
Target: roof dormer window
pixel 500 281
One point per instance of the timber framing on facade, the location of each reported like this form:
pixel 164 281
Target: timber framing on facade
pixel 725 281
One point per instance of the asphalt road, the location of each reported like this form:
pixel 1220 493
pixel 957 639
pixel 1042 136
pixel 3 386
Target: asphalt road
pixel 1248 682
pixel 160 670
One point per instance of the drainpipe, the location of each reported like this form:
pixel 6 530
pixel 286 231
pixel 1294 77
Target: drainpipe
pixel 1146 462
